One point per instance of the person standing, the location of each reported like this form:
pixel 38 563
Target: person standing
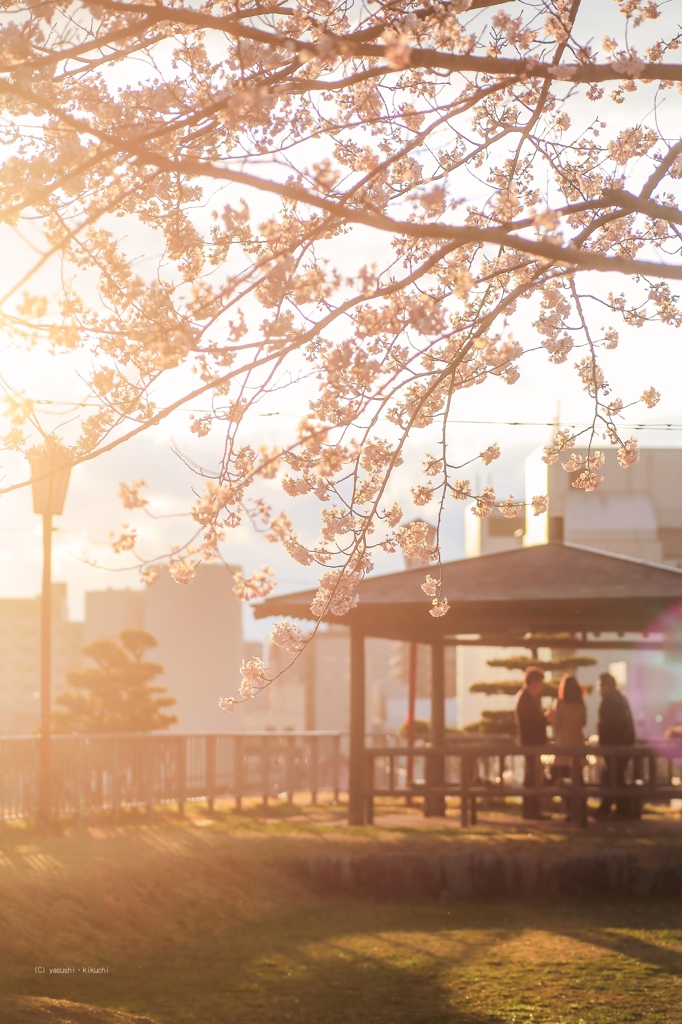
pixel 568 718
pixel 531 727
pixel 616 728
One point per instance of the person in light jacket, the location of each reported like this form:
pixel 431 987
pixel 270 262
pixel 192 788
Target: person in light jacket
pixel 568 718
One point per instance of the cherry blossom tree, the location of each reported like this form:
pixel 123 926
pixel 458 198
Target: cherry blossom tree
pixel 366 205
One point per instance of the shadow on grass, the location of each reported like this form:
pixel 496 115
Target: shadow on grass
pixel 342 987
pixel 354 962
pixel 633 947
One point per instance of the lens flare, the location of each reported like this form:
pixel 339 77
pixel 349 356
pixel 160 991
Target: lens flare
pixel 654 686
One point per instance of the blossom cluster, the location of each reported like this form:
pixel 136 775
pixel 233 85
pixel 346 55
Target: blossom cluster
pixel 259 585
pixel 336 594
pixel 430 586
pixel 628 453
pixel 288 636
pixel 563 439
pixel 254 677
pixel 416 543
pixel 485 503
pixel 130 496
pixel 439 607
pixel 540 504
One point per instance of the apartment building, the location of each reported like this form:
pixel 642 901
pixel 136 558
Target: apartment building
pixel 20 657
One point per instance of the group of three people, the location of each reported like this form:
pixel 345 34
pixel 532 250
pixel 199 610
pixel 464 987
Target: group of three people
pixel 568 718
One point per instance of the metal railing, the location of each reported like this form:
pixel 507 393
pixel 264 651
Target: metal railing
pixel 111 772
pixel 485 771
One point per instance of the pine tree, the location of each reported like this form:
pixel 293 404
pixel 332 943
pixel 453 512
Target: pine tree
pixel 116 694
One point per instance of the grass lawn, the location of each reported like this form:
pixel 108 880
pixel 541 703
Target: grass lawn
pixel 200 920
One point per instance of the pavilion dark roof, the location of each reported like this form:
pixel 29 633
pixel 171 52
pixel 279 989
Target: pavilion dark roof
pixel 546 588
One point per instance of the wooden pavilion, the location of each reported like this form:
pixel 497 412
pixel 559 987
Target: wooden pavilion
pixel 566 595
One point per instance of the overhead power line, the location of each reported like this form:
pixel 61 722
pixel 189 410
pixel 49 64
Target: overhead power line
pixel 460 422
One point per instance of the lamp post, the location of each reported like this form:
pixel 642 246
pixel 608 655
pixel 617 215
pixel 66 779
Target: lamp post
pixel 50 469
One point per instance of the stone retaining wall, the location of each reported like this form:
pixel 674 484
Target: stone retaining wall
pixel 475 874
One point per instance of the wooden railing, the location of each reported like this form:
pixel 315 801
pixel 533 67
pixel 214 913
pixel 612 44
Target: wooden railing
pixel 482 771
pixel 110 772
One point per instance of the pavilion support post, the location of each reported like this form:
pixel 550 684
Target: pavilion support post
pixel 436 801
pixel 356 782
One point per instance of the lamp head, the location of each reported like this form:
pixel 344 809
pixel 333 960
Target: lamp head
pixel 50 470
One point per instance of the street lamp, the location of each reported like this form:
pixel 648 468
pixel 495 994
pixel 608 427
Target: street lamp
pixel 50 469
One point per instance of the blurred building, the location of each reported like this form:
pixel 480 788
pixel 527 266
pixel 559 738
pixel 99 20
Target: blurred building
pixel 635 511
pixel 20 658
pixel 495 533
pixel 199 629
pixel 309 692
pixel 109 612
pixel 198 626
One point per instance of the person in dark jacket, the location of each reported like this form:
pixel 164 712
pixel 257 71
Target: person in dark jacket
pixel 531 727
pixel 616 728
